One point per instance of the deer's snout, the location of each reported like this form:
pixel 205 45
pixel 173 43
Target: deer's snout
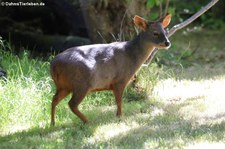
pixel 167 44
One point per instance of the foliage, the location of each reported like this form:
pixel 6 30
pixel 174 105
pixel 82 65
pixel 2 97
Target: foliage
pixel 182 10
pixel 154 5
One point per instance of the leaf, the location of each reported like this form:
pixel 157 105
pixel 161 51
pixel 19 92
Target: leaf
pixel 158 2
pixel 150 4
pixel 154 16
pixel 171 10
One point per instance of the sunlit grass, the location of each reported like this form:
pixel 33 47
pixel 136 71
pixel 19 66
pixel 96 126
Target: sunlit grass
pixel 172 107
pixel 24 94
pixel 204 97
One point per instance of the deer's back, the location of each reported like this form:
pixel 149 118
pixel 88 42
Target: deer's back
pixel 96 65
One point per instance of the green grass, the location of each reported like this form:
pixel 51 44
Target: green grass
pixel 25 93
pixel 170 107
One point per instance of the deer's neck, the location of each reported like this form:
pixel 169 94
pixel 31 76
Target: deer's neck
pixel 139 49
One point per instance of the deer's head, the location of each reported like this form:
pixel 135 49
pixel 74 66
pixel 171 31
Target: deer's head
pixel 153 31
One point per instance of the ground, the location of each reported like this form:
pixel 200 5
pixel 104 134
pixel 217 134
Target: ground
pixel 184 109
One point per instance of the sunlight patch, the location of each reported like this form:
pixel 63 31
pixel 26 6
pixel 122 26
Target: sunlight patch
pixel 171 89
pixel 201 100
pixel 14 129
pixel 206 145
pixel 108 131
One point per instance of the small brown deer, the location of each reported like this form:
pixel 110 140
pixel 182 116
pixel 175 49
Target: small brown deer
pixel 83 69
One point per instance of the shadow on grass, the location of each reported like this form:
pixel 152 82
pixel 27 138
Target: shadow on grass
pixel 168 130
pixel 175 135
pixel 165 129
pixel 66 135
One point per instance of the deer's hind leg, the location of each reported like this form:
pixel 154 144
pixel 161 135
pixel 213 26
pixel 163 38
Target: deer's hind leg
pixel 59 95
pixel 76 99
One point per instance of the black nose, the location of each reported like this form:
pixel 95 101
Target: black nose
pixel 167 43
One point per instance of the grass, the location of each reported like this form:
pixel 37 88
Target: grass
pixel 171 107
pixel 23 92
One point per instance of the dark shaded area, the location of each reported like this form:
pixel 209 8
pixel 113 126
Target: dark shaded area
pixel 2 73
pixel 40 44
pixel 47 28
pixel 68 16
pixel 53 27
pixel 93 21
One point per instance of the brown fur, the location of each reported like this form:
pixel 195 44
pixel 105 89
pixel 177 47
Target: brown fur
pixel 97 67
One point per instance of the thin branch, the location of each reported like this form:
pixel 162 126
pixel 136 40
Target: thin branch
pixel 167 7
pixel 121 26
pixel 183 24
pixel 192 18
pixel 160 10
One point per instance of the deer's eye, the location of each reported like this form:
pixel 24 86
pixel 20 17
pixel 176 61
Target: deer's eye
pixel 155 34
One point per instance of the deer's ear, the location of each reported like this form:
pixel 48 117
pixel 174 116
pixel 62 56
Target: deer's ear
pixel 166 21
pixel 140 22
